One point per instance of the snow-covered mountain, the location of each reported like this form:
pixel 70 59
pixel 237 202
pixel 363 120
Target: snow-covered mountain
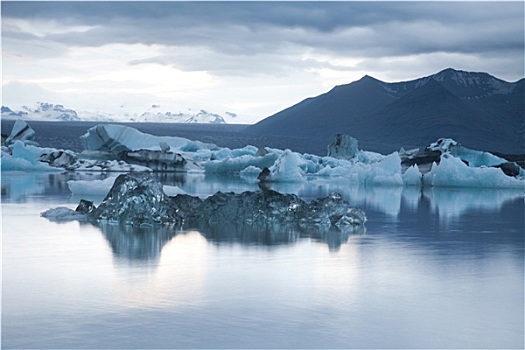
pixel 55 112
pixel 42 111
pixel 476 109
pixel 201 116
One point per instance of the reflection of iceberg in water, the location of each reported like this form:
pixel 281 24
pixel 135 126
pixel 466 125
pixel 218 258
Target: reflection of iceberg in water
pixel 145 244
pixel 273 235
pixel 17 186
pixel 137 243
pixel 452 203
pixel 385 199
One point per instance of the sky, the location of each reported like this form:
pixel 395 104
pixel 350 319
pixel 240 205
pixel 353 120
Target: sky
pixel 250 58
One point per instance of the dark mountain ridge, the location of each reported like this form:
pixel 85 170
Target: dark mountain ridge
pixel 476 109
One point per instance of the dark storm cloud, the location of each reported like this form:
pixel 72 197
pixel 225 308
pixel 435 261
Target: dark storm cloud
pixel 238 32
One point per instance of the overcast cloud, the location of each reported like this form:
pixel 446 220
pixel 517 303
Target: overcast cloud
pixel 252 58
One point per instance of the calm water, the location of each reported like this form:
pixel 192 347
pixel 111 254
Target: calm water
pixel 435 269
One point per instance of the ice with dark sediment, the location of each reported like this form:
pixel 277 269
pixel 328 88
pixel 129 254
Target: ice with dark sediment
pixel 21 131
pixel 139 199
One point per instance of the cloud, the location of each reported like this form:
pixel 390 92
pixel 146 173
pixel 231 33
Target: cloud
pixel 298 44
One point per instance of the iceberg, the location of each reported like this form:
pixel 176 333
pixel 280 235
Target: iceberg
pixel 20 156
pixel 453 172
pixel 138 199
pixel 64 214
pixel 118 138
pixel 289 167
pixel 471 157
pixel 162 160
pixel 343 146
pixel 21 131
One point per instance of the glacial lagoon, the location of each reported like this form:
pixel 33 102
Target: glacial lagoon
pixel 435 268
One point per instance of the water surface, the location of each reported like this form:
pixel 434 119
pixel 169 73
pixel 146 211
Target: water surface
pixel 437 268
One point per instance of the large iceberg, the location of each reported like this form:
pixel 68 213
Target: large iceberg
pixel 117 138
pixel 139 200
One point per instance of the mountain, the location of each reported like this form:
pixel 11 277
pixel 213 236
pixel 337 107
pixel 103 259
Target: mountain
pixel 476 109
pixel 55 112
pixel 162 117
pixel 43 111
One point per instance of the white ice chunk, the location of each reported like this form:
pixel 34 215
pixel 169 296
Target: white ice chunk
pixel 250 172
pixel 116 138
pixel 412 176
pixel 473 157
pixel 386 172
pixel 476 158
pixel 63 214
pixel 288 168
pixel 452 172
pixel 25 158
pixel 237 164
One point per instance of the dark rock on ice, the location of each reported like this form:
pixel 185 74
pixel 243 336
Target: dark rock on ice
pixel 343 147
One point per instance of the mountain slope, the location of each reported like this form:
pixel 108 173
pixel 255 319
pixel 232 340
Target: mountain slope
pixel 477 109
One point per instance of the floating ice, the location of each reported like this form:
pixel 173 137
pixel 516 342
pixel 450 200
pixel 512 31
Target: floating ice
pixel 63 214
pixel 289 167
pixel 240 163
pixel 453 172
pixel 472 157
pixel 343 146
pixel 117 138
pixel 159 160
pixel 24 157
pixel 138 199
pixel 21 132
pixel 412 176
